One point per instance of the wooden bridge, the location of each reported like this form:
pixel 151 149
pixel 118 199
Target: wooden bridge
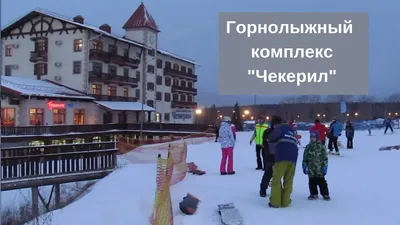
pixel 35 166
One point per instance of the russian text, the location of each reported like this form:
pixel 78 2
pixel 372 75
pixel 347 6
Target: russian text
pixel 279 53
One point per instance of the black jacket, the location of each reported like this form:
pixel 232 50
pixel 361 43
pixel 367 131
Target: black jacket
pixel 265 139
pixel 349 131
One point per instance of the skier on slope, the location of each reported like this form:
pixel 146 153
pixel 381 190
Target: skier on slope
pixel 227 141
pixel 334 132
pixel 321 129
pixel 388 123
pixel 349 134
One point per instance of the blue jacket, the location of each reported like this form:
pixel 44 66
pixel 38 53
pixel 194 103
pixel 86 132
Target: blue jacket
pixel 388 122
pixel 286 143
pixel 336 129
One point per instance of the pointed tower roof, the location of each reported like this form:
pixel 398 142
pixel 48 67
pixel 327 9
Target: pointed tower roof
pixel 141 18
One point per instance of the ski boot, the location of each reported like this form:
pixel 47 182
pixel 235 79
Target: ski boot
pixel 312 197
pixel 326 197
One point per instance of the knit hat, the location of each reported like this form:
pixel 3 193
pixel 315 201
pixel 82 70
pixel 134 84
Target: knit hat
pixel 276 120
pixel 314 134
pixel 226 119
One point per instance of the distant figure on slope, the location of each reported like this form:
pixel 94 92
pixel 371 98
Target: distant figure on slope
pixel 335 130
pixel 321 129
pixel 269 150
pixel 227 141
pixel 388 123
pixel 233 130
pixel 349 134
pixel 285 163
pixel 257 135
pixel 315 165
pixel 217 125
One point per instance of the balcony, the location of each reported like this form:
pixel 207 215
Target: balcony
pixel 114 98
pixel 65 129
pixel 182 104
pixel 112 57
pixel 38 56
pixel 95 76
pixel 177 73
pixel 178 88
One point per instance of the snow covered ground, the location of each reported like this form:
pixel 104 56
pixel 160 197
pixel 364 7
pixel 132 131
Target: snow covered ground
pixel 363 186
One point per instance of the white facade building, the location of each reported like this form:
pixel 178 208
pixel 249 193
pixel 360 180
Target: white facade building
pixel 108 67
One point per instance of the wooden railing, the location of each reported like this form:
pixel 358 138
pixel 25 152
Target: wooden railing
pixel 65 129
pixel 29 162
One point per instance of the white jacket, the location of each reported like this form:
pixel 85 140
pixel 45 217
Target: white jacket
pixel 226 137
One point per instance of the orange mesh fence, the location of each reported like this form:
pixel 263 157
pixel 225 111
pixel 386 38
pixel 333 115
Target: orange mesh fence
pixel 126 145
pixel 162 210
pixel 178 153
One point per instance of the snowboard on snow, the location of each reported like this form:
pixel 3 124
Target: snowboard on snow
pixel 230 214
pixel 329 153
pixel 392 147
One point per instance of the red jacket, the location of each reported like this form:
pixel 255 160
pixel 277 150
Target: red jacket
pixel 321 129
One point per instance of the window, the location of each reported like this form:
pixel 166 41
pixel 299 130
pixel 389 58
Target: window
pixel 59 116
pixel 41 46
pixel 78 43
pixel 175 97
pixel 96 89
pixel 150 68
pixel 8 70
pixel 8 117
pixel 77 67
pixel 36 117
pixel 183 83
pixel 150 86
pixel 138 76
pixel 183 69
pixel 166 117
pixel 183 98
pixel 40 69
pixel 190 98
pixel 158 96
pixel 190 71
pixel 176 66
pixel 167 64
pixel 151 52
pixel 113 49
pixel 112 70
pixel 167 82
pixel 98 45
pixel 159 63
pixel 150 103
pixel 112 91
pixel 167 97
pixel 8 50
pixel 126 52
pixel 138 54
pixel 159 80
pixel 79 116
pixel 176 82
pixel 126 72
pixel 97 67
pixel 137 93
pixel 126 92
pixel 190 84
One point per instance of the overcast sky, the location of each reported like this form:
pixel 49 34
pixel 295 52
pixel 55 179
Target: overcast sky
pixel 189 28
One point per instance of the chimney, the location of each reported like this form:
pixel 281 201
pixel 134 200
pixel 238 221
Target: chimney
pixel 79 19
pixel 106 28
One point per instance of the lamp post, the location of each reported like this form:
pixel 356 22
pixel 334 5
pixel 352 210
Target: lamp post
pixel 198 114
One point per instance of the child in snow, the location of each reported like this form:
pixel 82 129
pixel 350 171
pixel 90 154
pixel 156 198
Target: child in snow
pixel 315 165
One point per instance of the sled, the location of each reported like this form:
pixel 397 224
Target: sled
pixel 230 214
pixel 189 204
pixel 387 148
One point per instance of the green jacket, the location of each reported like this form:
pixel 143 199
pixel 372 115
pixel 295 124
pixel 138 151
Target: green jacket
pixel 258 133
pixel 315 158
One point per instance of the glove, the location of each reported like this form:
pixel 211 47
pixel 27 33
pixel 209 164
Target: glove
pixel 305 169
pixel 325 170
pixel 340 134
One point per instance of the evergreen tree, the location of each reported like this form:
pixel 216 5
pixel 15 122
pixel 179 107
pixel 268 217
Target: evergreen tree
pixel 236 117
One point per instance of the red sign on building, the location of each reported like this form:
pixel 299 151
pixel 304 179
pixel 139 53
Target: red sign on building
pixel 55 105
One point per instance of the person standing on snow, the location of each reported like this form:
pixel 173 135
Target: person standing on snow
pixel 388 123
pixel 335 130
pixel 233 130
pixel 315 165
pixel 349 134
pixel 217 125
pixel 227 141
pixel 321 129
pixel 269 150
pixel 257 135
pixel 286 153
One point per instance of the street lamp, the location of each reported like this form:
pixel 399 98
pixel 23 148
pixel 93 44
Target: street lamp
pixel 243 115
pixel 198 111
pixel 356 114
pixel 389 114
pixel 318 115
pixel 396 114
pixel 267 117
pixel 347 114
pixel 252 118
pixel 220 116
pixel 246 112
pixel 323 115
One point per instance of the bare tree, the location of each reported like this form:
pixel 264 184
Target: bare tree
pixel 366 98
pixel 339 98
pixel 394 97
pixel 288 100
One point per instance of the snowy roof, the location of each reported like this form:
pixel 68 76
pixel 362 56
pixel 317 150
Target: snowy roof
pixel 33 87
pixel 141 18
pixel 124 106
pixel 97 30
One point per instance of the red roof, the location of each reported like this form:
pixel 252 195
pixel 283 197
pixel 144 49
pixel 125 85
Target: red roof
pixel 141 18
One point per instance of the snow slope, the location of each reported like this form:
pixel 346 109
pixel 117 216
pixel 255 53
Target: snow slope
pixel 363 188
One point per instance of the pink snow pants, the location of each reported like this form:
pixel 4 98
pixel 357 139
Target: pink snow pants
pixel 227 154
